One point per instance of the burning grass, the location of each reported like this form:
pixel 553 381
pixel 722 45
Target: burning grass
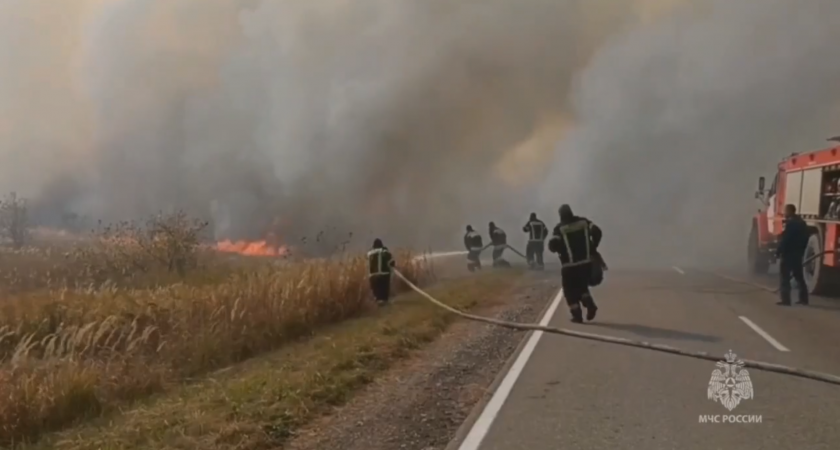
pixel 84 331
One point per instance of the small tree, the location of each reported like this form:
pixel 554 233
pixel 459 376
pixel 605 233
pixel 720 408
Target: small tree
pixel 124 249
pixel 174 240
pixel 14 224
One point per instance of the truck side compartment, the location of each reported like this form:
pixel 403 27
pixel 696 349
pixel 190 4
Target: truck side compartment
pixel 811 182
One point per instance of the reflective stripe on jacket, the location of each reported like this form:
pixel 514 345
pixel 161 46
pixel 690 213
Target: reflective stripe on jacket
pixel 498 237
pixel 472 241
pixel 575 242
pixel 380 262
pixel 537 231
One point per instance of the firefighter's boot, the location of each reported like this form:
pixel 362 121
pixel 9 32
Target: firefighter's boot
pixel 591 307
pixel 577 313
pixel 784 293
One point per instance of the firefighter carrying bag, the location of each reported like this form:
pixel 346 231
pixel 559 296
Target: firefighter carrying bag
pixel 598 269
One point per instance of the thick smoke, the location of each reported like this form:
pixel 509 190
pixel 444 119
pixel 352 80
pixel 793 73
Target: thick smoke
pixel 45 119
pixel 676 122
pixel 409 119
pixel 371 116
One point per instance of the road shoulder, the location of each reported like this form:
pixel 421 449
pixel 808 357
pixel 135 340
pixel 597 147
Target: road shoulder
pixel 424 402
pixel 478 409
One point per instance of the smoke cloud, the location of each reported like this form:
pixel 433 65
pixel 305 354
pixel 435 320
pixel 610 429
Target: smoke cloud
pixel 407 120
pixel 678 119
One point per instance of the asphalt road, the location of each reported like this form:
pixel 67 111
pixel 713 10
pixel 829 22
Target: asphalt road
pixel 573 394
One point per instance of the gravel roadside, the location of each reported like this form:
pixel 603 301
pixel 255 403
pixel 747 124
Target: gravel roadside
pixel 421 403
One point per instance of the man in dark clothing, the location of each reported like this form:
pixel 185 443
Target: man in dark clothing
pixel 537 232
pixel 791 252
pixel 474 245
pixel 575 240
pixel 380 262
pixel 499 240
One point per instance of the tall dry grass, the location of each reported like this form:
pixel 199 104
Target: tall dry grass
pixel 77 343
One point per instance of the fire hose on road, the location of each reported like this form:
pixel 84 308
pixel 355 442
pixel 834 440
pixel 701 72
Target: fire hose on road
pixel 759 365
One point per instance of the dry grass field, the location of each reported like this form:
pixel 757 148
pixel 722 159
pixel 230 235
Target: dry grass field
pixel 261 403
pixel 89 326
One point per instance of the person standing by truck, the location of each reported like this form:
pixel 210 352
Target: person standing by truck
pixel 791 253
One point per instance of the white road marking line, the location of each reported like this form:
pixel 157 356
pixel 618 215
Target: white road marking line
pixel 679 271
pixel 482 426
pixel 764 334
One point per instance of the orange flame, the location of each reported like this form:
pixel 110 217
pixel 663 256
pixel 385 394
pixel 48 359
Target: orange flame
pixel 254 248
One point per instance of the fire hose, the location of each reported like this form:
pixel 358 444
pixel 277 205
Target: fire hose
pixel 771 290
pixel 759 365
pixel 503 245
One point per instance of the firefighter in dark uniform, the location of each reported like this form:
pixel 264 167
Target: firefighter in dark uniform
pixel 474 245
pixel 380 262
pixel 499 240
pixel 791 252
pixel 575 240
pixel 537 232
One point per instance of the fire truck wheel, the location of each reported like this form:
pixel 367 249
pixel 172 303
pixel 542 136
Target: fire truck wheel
pixel 758 262
pixel 819 278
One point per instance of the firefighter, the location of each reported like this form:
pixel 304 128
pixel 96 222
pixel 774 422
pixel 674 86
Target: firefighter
pixel 499 240
pixel 380 262
pixel 575 240
pixel 791 252
pixel 474 245
pixel 537 232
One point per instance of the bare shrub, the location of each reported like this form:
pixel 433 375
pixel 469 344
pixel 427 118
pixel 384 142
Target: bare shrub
pixel 164 242
pixel 14 224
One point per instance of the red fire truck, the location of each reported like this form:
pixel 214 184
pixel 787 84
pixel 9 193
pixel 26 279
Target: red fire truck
pixel 811 182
